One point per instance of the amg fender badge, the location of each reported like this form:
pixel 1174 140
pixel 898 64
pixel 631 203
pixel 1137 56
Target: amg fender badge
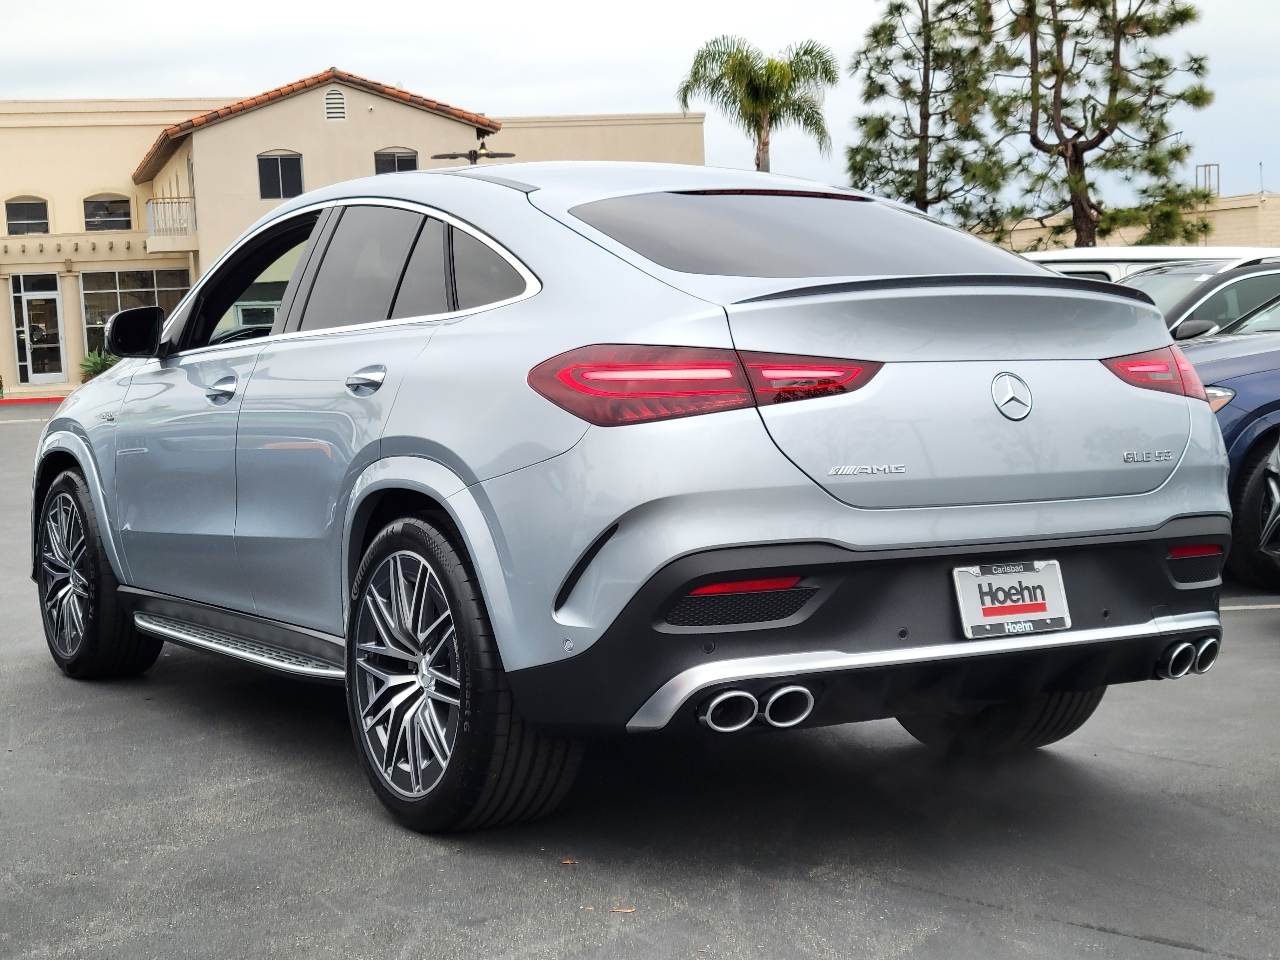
pixel 868 470
pixel 1147 456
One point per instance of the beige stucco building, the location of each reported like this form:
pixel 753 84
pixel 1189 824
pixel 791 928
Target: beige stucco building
pixel 118 203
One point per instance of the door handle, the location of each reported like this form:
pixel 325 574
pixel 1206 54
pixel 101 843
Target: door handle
pixel 220 391
pixel 366 381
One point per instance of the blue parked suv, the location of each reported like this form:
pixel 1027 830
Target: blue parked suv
pixel 1241 373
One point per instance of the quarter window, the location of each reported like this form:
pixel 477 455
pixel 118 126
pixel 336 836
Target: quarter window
pixel 394 161
pixel 279 176
pixel 425 288
pixel 480 275
pixel 105 293
pixel 362 267
pixel 26 215
pixel 107 213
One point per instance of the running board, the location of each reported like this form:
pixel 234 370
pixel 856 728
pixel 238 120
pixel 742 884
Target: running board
pixel 241 648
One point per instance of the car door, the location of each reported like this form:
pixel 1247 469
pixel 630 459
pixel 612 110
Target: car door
pixel 175 485
pixel 316 404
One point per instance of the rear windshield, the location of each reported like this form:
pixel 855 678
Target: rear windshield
pixel 755 234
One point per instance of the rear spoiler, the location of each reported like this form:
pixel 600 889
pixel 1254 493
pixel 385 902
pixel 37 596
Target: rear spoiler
pixel 958 280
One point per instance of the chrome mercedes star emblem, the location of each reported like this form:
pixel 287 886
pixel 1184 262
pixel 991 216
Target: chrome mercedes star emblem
pixel 1011 395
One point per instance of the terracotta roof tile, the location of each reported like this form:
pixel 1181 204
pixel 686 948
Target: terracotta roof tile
pixel 172 136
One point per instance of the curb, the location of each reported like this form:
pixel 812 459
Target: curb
pixel 4 400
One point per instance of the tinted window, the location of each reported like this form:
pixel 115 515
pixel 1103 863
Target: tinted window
pixel 1266 320
pixel 778 235
pixel 361 267
pixel 106 215
pixel 26 216
pixel 425 289
pixel 1168 287
pixel 279 177
pixel 480 275
pixel 1236 299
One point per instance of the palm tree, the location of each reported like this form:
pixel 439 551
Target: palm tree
pixel 759 93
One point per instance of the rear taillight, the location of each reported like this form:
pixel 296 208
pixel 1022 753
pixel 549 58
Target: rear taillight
pixel 776 378
pixel 615 384
pixel 1165 369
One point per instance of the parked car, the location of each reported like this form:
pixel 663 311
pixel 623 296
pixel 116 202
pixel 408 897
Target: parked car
pixel 1116 263
pixel 1202 297
pixel 1241 373
pixel 545 451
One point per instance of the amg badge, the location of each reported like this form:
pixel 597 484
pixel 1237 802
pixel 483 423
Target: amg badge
pixel 1147 456
pixel 868 470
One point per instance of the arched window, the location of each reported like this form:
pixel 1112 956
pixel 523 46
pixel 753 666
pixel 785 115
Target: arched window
pixel 107 211
pixel 26 215
pixel 335 105
pixel 395 160
pixel 279 175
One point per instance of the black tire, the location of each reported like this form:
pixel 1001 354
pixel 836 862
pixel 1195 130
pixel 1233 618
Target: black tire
pixel 90 634
pixel 1006 727
pixel 499 769
pixel 1249 501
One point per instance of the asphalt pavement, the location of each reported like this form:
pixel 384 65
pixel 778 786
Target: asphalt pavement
pixel 211 810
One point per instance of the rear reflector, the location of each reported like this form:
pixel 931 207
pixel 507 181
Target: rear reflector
pixel 615 384
pixel 1166 370
pixel 1194 550
pixel 746 586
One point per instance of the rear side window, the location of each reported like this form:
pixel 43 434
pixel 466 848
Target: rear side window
pixel 425 287
pixel 759 234
pixel 1236 299
pixel 481 276
pixel 362 267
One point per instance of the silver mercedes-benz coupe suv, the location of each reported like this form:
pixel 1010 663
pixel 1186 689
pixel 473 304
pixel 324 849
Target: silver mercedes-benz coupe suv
pixel 533 453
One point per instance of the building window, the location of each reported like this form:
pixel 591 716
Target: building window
pixel 394 161
pixel 108 292
pixel 279 176
pixel 335 105
pixel 107 213
pixel 26 215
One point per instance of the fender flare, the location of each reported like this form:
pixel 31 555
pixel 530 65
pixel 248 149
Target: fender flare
pixel 1246 439
pixel 66 441
pixel 468 508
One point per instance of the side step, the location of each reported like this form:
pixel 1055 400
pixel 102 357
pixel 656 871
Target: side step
pixel 242 648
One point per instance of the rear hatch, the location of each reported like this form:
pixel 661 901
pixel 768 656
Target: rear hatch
pixel 926 429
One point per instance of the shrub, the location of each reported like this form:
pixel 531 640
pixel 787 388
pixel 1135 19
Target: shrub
pixel 95 363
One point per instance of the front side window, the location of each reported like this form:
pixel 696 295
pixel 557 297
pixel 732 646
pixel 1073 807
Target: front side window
pixel 394 161
pixel 107 292
pixel 362 267
pixel 785 234
pixel 279 176
pixel 1236 299
pixel 107 213
pixel 242 301
pixel 26 215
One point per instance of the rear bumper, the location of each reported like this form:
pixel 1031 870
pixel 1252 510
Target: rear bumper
pixel 878 634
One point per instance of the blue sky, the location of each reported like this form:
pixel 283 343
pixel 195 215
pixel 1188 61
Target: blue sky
pixel 507 58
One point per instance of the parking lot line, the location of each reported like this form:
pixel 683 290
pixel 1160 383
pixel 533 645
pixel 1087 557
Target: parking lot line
pixel 32 420
pixel 1252 606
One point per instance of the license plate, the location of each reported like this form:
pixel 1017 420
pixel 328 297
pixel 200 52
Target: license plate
pixel 1006 599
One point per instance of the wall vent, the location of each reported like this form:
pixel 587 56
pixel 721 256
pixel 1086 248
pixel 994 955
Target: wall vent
pixel 335 105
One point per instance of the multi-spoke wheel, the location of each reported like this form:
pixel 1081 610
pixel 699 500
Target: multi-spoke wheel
pixel 440 738
pixel 90 635
pixel 406 674
pixel 64 562
pixel 1255 521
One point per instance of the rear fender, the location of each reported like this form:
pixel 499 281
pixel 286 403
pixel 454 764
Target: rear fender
pixel 468 508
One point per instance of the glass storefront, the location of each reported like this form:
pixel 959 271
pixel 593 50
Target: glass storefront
pixel 37 328
pixel 107 292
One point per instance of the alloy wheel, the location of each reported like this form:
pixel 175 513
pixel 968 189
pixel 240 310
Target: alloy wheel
pixel 64 571
pixel 407 677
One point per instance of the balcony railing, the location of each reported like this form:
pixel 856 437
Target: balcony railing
pixel 171 217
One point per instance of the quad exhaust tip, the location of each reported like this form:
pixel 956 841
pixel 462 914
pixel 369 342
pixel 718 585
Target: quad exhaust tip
pixel 1177 661
pixel 734 710
pixel 729 712
pixel 1207 650
pixel 787 706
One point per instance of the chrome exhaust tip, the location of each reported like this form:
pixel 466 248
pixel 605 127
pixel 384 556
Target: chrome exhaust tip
pixel 787 706
pixel 1207 650
pixel 729 712
pixel 1177 661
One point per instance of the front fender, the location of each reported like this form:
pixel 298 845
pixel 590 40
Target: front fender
pixel 1246 438
pixel 470 512
pixel 66 441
